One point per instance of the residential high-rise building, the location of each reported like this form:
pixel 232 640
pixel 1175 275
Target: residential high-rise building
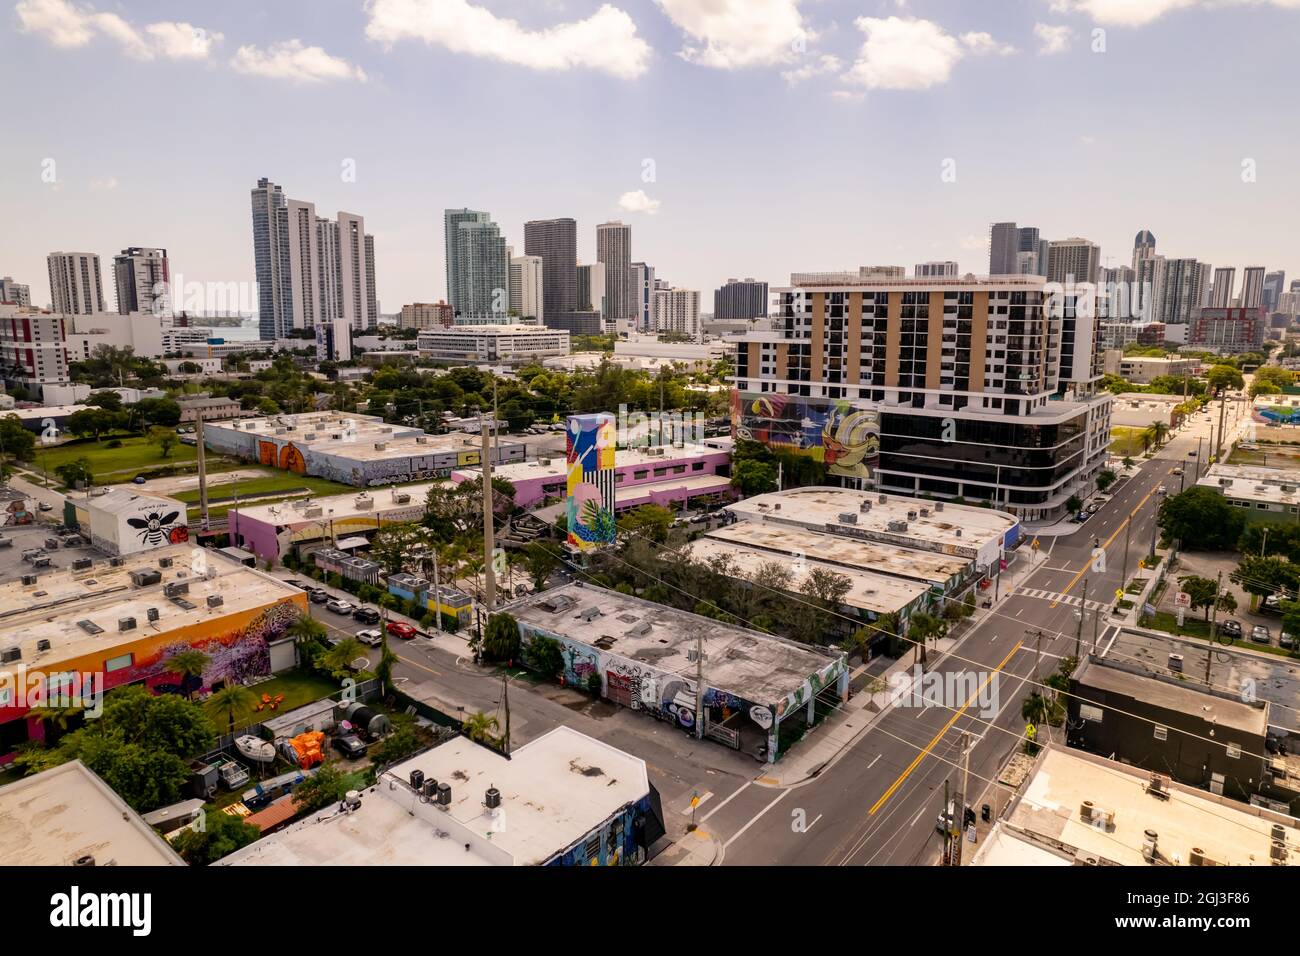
pixel 15 293
pixel 934 270
pixel 591 289
pixel 33 350
pixel 478 265
pixel 1073 261
pixel 271 261
pixel 1004 243
pixel 614 252
pixel 740 300
pixel 1252 287
pixel 76 286
pixel 1183 290
pixel 1225 280
pixel 1149 288
pixel 643 289
pixel 678 311
pixel 526 288
pixel 312 271
pixel 949 387
pixel 1274 286
pixel 1144 247
pixel 1229 331
pixel 138 274
pixel 556 242
pixel 1032 251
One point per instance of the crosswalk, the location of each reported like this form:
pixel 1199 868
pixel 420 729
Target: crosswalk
pixel 1067 599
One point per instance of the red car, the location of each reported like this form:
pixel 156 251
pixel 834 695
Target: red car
pixel 401 629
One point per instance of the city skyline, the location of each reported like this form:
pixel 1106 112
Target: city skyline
pixel 607 158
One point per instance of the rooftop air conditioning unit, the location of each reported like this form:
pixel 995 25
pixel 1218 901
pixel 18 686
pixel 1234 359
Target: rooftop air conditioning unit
pixel 402 498
pixel 444 795
pixel 590 614
pixel 164 562
pixel 116 562
pixel 151 614
pixel 864 507
pixel 310 436
pixel 10 654
pixel 215 600
pixel 544 462
pixel 911 516
pixel 82 564
pixel 848 517
pixel 1176 663
pixel 145 577
pixel 417 778
pixel 313 512
pixel 925 512
pixel 776 506
pixel 126 624
pixel 956 532
pixel 422 439
pixel 365 504
pixel 882 499
pixel 29 580
pixel 176 587
pixel 381 446
pixel 492 798
pixel 42 645
pixel 938 506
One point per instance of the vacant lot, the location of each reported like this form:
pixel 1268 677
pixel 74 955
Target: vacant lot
pixel 115 465
pixel 1126 442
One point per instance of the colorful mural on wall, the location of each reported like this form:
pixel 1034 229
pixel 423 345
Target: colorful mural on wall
pixel 16 513
pixel 844 435
pixel 590 444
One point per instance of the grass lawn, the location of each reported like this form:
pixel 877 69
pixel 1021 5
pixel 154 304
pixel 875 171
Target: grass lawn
pixel 1126 442
pixel 299 687
pixel 118 465
pixel 286 483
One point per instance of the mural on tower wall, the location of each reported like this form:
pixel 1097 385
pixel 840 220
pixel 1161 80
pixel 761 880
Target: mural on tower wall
pixel 590 444
pixel 844 435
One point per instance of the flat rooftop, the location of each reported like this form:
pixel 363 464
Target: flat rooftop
pixel 1224 830
pixel 344 506
pixel 67 812
pixel 1179 698
pixel 128 498
pixel 556 466
pixel 1232 669
pixel 926 566
pixel 554 791
pixel 54 607
pixel 758 667
pixel 959 529
pixel 874 592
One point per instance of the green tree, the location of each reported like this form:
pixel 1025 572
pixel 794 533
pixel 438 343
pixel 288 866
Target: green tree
pixel 501 639
pixel 1202 591
pixel 923 628
pixel 400 742
pixel 327 786
pixel 230 700
pixel 647 521
pixel 1201 519
pixel 481 728
pixel 222 834
pixel 338 659
pixel 545 655
pixel 164 438
pixel 1260 577
pixel 753 477
pixel 1105 479
pixel 541 563
pixel 16 442
pixel 75 472
pixel 1224 377
pixel 188 665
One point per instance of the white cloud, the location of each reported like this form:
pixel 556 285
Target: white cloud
pixel 911 54
pixel 638 201
pixel 291 60
pixel 1052 38
pixel 732 34
pixel 104 185
pixel 606 41
pixel 848 96
pixel 1138 13
pixel 826 63
pixel 983 44
pixel 70 26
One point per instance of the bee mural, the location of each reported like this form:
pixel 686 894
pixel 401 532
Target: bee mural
pixel 154 528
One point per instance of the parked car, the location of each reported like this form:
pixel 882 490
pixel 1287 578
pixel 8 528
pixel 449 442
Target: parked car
pixel 45 506
pixel 138 480
pixel 371 637
pixel 1162 490
pixel 339 606
pixel 1286 641
pixel 318 596
pixel 1272 604
pixel 1176 472
pixel 401 629
pixel 1248 446
pixel 1191 454
pixel 1082 516
pixel 300 585
pixel 1230 628
pixel 350 746
pixel 366 615
pixel 1260 634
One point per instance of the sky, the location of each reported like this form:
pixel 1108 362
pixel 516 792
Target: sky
pixel 737 137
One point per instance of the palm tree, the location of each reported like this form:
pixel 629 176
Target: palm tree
pixel 1159 430
pixel 338 657
pixel 479 727
pixel 58 716
pixel 188 664
pixel 232 698
pixel 306 630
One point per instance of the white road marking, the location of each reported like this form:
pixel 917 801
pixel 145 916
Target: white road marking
pixel 733 796
pixel 813 824
pixel 741 832
pixel 873 763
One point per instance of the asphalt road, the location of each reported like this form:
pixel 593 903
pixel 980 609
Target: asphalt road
pixel 879 802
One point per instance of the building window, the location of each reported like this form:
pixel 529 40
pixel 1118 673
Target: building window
pixel 118 663
pixel 1162 733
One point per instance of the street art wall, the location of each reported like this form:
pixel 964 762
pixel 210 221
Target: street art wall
pixel 591 441
pixel 844 435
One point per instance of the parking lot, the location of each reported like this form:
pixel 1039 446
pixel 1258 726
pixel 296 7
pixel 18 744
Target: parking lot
pixel 1209 565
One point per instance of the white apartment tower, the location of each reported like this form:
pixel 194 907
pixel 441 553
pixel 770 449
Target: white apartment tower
pixel 142 278
pixel 526 287
pixel 1252 287
pixel 1073 260
pixel 678 311
pixel 76 286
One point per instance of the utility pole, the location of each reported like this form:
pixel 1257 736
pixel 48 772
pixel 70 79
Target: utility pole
pixel 1214 619
pixel 1078 634
pixel 1199 439
pixel 203 469
pixel 489 543
pixel 1038 652
pixel 1128 528
pixel 505 702
pixel 496 424
pixel 699 684
pixel 437 592
pixel 1223 404
pixel 1155 513
pixel 947 825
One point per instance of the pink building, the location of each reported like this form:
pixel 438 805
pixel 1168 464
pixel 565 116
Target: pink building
pixel 662 476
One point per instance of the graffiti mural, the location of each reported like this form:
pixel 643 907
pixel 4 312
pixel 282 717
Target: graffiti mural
pixel 590 443
pixel 291 459
pixel 842 434
pixel 267 453
pixel 16 513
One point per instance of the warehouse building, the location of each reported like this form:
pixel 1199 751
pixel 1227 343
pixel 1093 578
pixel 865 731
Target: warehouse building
pixel 356 450
pixel 78 631
pixel 1262 494
pixel 761 692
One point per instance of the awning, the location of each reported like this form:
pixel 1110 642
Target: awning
pixel 350 544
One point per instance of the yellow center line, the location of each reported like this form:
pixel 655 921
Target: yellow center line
pixel 939 736
pixel 1088 564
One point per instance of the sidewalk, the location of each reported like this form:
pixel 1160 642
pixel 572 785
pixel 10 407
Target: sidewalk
pixel 696 848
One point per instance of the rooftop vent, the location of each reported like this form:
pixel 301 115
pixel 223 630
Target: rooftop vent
pixel 589 614
pixel 938 506
pixel 848 517
pixel 164 562
pixel 864 507
pixel 215 600
pixel 402 498
pixel 640 628
pixel 144 577
pixel 90 627
pixel 558 602
pixel 381 446
pixel 492 798
pixel 42 645
pixel 126 624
